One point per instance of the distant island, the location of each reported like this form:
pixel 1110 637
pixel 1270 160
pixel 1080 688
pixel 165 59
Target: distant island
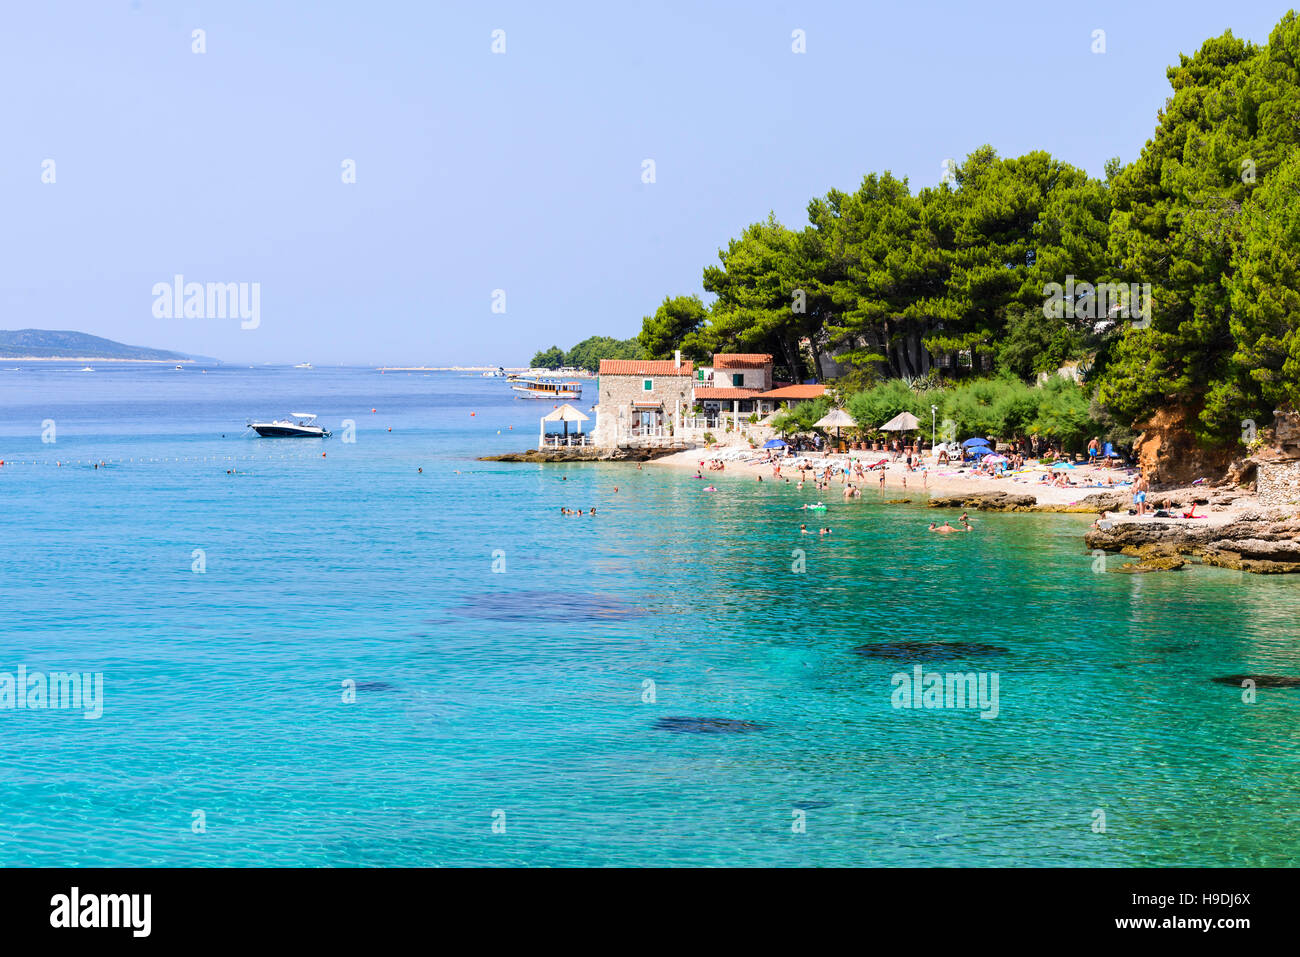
pixel 78 346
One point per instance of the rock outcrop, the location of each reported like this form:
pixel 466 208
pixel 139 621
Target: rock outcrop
pixel 986 501
pixel 1000 501
pixel 1168 453
pixel 1265 541
pixel 1156 562
pixel 583 455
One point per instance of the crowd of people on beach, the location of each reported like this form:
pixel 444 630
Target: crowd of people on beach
pixel 1015 461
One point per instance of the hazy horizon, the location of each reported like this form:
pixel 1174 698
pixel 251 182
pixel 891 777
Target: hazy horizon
pixel 519 171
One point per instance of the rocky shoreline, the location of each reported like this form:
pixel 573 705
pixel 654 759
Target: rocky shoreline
pixel 1019 502
pixel 1246 536
pixel 1264 541
pixel 583 455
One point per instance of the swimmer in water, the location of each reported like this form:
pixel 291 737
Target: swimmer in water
pixel 803 529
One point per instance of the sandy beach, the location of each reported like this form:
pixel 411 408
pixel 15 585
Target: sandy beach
pixel 929 480
pixel 953 480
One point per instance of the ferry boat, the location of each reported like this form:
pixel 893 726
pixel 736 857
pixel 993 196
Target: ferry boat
pixel 548 389
pixel 299 425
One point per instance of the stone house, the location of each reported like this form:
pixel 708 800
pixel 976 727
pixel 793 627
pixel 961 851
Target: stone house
pixel 663 401
pixel 641 401
pixel 738 370
pixel 738 380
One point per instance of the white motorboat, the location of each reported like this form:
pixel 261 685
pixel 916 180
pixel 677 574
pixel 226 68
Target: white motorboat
pixel 299 425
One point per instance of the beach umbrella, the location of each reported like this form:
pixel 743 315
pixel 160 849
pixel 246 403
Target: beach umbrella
pixel 1061 465
pixel 903 422
pixel 775 444
pixel 971 442
pixel 835 419
pixel 979 450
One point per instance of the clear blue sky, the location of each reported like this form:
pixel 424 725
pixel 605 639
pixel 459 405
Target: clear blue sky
pixel 519 171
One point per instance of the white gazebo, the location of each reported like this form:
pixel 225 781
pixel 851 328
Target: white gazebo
pixel 566 414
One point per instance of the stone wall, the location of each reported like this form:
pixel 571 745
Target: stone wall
pixel 614 414
pixel 1279 482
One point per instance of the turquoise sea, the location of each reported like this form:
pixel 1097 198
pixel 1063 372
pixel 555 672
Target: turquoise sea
pixel 539 697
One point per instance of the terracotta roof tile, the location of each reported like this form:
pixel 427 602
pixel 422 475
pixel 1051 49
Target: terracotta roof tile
pixel 645 367
pixel 796 392
pixel 740 360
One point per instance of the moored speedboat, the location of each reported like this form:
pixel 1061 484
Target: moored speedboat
pixel 299 425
